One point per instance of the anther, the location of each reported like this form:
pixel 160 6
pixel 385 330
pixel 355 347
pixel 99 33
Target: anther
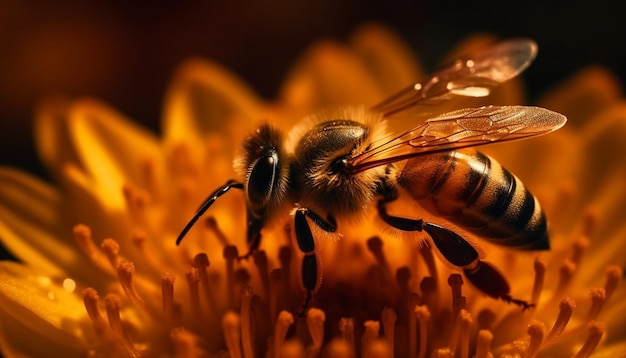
pixel 597 296
pixel 167 295
pixel 456 282
pixel 566 308
pixel 247 340
pixel 483 342
pixel 444 353
pixel 231 326
pixel 403 276
pixel 125 271
pixel 613 276
pixel 579 246
pixel 540 274
pixel 596 331
pixel 82 235
pixel 111 249
pixel 389 317
pixel 536 331
pixel 283 321
pixel 315 323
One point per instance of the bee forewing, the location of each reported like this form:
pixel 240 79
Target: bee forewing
pixel 460 129
pixel 470 77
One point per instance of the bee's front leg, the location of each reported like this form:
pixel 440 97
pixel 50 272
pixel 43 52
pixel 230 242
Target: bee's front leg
pixel 311 273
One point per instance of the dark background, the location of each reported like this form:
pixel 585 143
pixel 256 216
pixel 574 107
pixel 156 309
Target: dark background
pixel 124 52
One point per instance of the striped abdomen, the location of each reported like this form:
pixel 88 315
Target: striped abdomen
pixel 475 192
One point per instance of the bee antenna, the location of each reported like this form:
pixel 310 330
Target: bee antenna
pixel 207 203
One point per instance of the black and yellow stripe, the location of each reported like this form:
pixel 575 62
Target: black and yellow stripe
pixel 475 192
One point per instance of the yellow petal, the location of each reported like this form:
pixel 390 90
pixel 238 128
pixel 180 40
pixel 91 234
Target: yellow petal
pixel 581 97
pixel 30 224
pixel 392 64
pixel 206 98
pixel 38 316
pixel 112 149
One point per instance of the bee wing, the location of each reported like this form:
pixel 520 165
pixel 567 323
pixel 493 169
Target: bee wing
pixel 470 77
pixel 459 129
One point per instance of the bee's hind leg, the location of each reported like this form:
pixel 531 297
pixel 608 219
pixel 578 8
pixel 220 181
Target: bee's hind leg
pixel 457 251
pixel 311 273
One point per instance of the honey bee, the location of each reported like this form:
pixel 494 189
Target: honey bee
pixel 337 164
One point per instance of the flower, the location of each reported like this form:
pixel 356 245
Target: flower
pixel 138 294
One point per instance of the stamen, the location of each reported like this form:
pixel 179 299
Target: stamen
pixel 540 274
pixel 212 225
pixel 377 348
pixel 566 308
pixel 389 318
pixel 292 349
pixel 285 258
pixel 456 282
pixel 412 325
pixel 201 262
pixel 579 247
pixel 230 255
pixel 193 280
pixel 284 320
pixel 375 246
pixel 536 331
pixel 596 331
pixel 423 315
pixel 111 249
pixel 147 167
pixel 276 284
pixel 82 235
pixel 372 328
pixel 590 221
pixel 465 321
pixel 403 276
pixel 136 201
pixel 139 239
pixel 566 272
pixel 346 328
pixel 429 259
pixel 315 323
pixel 483 343
pixel 613 276
pixel 598 296
pixel 167 294
pixel 246 322
pixel 113 303
pixel 125 270
pixel 185 344
pixel 90 300
pixel 338 348
pixel 428 287
pixel 260 260
pixel 231 326
pixel 444 353
pixel 486 318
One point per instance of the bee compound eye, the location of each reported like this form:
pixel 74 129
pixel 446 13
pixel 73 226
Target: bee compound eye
pixel 262 179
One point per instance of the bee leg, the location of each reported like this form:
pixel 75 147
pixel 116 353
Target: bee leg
pixel 311 273
pixel 457 251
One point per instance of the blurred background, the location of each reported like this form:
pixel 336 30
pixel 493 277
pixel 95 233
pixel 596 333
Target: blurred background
pixel 125 52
